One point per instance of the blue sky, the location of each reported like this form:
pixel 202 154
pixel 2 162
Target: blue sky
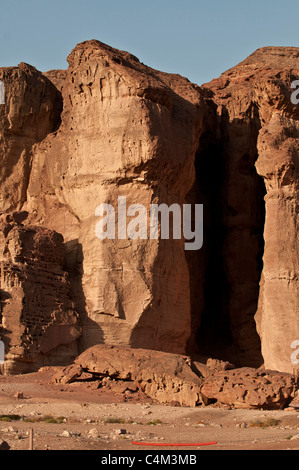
pixel 197 39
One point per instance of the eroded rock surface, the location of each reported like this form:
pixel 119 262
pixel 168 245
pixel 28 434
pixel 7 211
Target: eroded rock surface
pixel 31 111
pixel 108 127
pixel 258 242
pixel 170 378
pixel 127 130
pixel 39 322
pixel 162 376
pixel 250 388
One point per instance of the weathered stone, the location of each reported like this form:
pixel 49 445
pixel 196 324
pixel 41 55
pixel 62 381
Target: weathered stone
pixel 40 325
pixel 94 433
pixel 31 111
pixel 258 253
pixel 68 375
pixel 122 386
pixel 202 370
pixel 126 130
pixel 250 388
pixel 162 376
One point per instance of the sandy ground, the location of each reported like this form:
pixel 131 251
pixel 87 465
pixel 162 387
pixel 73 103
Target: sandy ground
pixel 77 417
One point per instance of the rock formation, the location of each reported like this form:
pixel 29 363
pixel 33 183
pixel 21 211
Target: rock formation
pixel 250 388
pixel 111 127
pixel 37 313
pixel 258 127
pixel 173 379
pixel 164 377
pixel 126 130
pixel 31 111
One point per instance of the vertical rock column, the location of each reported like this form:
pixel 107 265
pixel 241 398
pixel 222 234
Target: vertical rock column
pixel 278 313
pixel 127 130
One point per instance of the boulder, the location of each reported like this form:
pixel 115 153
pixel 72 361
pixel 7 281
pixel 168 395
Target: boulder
pixel 250 388
pixel 162 376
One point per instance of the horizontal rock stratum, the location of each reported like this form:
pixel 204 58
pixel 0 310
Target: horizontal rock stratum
pixel 111 127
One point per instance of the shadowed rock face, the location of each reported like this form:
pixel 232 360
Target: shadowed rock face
pixel 127 130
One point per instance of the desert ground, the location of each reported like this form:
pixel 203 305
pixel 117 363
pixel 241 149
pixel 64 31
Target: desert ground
pixel 79 417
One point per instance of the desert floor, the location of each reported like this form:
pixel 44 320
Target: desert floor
pixel 78 417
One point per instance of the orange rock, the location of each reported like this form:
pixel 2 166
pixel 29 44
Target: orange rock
pixel 250 388
pixel 162 376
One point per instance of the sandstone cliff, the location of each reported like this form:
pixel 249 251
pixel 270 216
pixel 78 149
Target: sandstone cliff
pixel 258 127
pixel 31 111
pixel 108 127
pixel 126 130
pixel 37 313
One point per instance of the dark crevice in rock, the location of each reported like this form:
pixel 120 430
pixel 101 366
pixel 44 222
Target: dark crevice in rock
pixel 230 264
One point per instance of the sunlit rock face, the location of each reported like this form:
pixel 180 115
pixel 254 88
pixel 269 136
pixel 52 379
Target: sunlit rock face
pixel 126 131
pixel 110 129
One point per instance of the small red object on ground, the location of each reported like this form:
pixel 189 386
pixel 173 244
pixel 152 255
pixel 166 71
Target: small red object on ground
pixel 201 444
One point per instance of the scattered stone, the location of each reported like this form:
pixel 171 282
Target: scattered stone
pixel 10 429
pixel 19 395
pixel 120 432
pixel 242 426
pixel 94 385
pixel 94 433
